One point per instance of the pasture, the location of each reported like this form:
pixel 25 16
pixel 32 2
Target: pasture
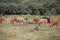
pixel 15 31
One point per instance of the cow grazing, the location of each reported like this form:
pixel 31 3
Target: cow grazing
pixel 42 21
pixel 53 22
pixel 20 20
pixel 1 19
pixel 12 20
pixel 17 20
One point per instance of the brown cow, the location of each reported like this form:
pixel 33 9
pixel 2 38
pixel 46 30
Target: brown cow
pixel 36 19
pixel 19 20
pixel 12 20
pixel 1 19
pixel 53 22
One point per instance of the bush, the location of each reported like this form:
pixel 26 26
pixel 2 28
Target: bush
pixel 48 13
pixel 27 16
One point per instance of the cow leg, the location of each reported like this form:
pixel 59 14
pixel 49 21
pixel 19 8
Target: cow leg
pixel 51 25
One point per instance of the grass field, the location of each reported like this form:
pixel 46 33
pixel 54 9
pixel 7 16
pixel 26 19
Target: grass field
pixel 10 31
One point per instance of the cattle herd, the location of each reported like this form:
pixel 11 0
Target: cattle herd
pixel 46 20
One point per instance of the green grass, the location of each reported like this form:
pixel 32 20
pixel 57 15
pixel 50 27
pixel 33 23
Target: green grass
pixel 23 32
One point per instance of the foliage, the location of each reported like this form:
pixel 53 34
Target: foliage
pixel 26 17
pixel 48 13
pixel 21 6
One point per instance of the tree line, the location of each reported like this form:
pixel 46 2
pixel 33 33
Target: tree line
pixel 33 7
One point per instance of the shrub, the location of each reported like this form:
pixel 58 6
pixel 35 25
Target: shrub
pixel 26 17
pixel 48 13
